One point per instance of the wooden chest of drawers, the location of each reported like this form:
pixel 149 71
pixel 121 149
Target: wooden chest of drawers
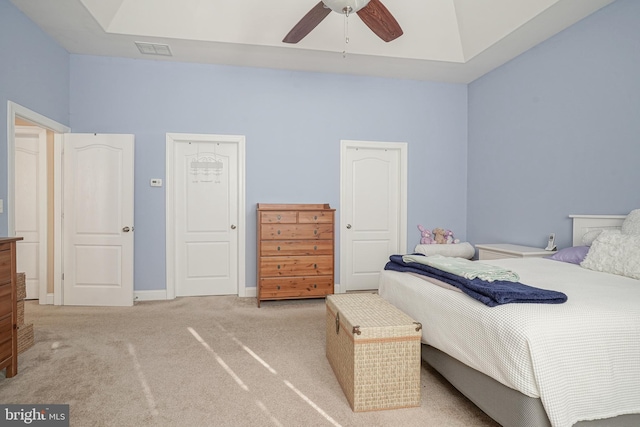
pixel 8 307
pixel 295 251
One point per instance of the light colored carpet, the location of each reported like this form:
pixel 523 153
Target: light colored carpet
pixel 203 361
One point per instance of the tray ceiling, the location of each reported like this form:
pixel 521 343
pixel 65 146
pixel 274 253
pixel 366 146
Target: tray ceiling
pixel 444 40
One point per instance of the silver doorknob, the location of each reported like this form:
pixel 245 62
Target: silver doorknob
pixel 348 226
pixel 126 229
pixel 233 227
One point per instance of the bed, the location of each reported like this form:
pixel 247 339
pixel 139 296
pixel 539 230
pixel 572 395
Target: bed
pixel 559 365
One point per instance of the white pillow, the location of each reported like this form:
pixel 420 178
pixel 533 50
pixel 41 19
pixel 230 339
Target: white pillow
pixel 590 236
pixel 459 250
pixel 631 224
pixel 615 253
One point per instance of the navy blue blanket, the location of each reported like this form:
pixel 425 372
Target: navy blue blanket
pixel 489 293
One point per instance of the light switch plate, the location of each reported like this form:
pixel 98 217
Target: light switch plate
pixel 156 182
pixel 1 206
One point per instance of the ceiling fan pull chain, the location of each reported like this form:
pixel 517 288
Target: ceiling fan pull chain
pixel 346 31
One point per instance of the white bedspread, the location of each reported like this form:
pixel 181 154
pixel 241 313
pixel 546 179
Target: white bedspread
pixel 582 358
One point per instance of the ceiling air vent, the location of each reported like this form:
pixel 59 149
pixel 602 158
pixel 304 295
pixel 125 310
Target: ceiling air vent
pixel 154 49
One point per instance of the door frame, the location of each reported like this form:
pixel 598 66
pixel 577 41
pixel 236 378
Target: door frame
pixel 15 110
pixel 402 215
pixel 172 139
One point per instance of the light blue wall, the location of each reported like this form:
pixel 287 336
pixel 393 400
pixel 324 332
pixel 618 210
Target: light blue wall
pixel 34 73
pixel 553 132
pixel 556 131
pixel 293 123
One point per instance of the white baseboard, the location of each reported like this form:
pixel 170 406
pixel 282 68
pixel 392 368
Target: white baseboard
pixel 157 295
pixel 161 294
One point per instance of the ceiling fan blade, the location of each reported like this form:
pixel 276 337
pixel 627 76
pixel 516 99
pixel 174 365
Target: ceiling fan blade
pixel 378 18
pixel 307 23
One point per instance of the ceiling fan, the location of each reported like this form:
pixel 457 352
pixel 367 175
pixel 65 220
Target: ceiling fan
pixel 372 12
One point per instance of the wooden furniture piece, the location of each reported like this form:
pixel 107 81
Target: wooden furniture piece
pixel 8 307
pixel 295 251
pixel 374 350
pixel 505 250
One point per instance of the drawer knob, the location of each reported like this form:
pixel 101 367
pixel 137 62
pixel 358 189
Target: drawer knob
pixel 315 265
pixel 278 231
pixel 315 217
pixel 315 248
pixel 278 247
pixel 278 287
pixel 315 285
pixel 315 231
pixel 278 266
pixel 279 217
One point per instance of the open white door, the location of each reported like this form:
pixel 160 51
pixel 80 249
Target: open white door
pixel 373 206
pixel 31 206
pixel 98 219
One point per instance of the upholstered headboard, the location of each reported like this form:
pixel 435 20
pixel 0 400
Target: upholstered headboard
pixel 583 224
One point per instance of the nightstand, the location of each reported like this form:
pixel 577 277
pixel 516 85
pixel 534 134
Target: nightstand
pixel 505 250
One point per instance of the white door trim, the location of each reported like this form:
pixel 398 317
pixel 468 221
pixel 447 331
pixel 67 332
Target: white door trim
pixel 402 215
pixel 172 139
pixel 15 110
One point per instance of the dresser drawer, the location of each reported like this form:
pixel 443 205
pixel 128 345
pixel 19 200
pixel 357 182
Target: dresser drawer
pixel 296 231
pixel 6 300
pixel 489 255
pixel 296 266
pixel 296 287
pixel 284 217
pixel 5 266
pixel 508 250
pixel 6 333
pixel 296 247
pixel 305 217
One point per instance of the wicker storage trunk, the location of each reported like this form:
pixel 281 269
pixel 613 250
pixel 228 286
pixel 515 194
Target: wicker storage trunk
pixel 374 350
pixel 25 337
pixel 21 286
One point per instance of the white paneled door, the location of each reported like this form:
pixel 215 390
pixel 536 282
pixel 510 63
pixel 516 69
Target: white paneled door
pixel 373 210
pixel 98 219
pixel 31 206
pixel 205 186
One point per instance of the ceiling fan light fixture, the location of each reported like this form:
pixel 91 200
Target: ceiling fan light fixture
pixel 345 6
pixel 372 12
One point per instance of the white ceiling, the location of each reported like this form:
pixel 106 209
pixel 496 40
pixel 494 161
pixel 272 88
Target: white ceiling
pixel 444 40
